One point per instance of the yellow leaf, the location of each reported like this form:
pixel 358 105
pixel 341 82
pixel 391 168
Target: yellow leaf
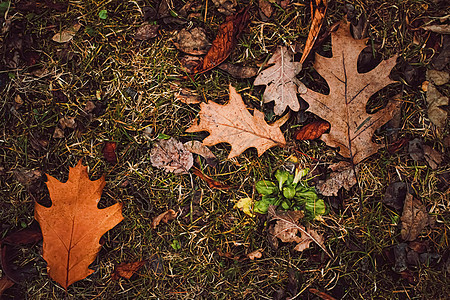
pixel 246 204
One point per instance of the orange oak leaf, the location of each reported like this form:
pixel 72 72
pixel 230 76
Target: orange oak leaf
pixel 232 123
pixel 73 225
pixel 344 107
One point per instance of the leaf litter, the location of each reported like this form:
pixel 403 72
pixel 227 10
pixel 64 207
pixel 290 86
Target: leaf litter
pixel 171 156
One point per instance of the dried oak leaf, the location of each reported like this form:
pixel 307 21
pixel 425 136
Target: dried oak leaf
pixel 232 123
pixel 224 42
pixel 200 149
pixel 165 217
pixel 146 32
pixel 67 34
pixel 127 270
pixel 344 107
pixel 343 175
pixel 73 225
pixel 281 81
pixel 286 228
pixel 193 41
pixel 213 184
pixel 414 218
pixel 312 130
pixel 171 156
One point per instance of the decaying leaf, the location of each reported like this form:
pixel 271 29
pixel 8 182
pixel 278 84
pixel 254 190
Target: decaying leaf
pixel 67 34
pixel 171 156
pixel 193 41
pixel 435 99
pixel 342 176
pixel 318 11
pixel 442 29
pixel 27 177
pixel 146 32
pixel 312 130
pixel 432 157
pixel 266 8
pixel 224 42
pixel 232 123
pixel 109 152
pixel 255 254
pixel 213 184
pixel 188 96
pixel 415 149
pixel 226 7
pixel 73 225
pixel 286 228
pixel 395 195
pixel 281 81
pixel 414 218
pixel 200 149
pixel 238 71
pixel 5 284
pixel 165 217
pixel 127 270
pixel 344 107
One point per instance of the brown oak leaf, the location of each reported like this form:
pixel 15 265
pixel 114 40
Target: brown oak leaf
pixel 232 123
pixel 171 156
pixel 281 81
pixel 164 217
pixel 414 218
pixel 344 107
pixel 73 225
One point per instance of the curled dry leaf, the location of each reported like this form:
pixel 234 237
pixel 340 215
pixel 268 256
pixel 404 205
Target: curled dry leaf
pixel 441 29
pixel 318 11
pixel 165 217
pixel 344 107
pixel 200 149
pixel 414 218
pixel 312 130
pixel 232 123
pixel 255 254
pixel 238 71
pixel 73 225
pixel 343 175
pixel 146 32
pixel 127 270
pixel 286 228
pixel 213 184
pixel 67 34
pixel 224 42
pixel 171 156
pixel 281 81
pixel 193 41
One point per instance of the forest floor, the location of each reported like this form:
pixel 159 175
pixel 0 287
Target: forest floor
pixel 61 102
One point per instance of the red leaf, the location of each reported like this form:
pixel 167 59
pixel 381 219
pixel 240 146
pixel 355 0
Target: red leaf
pixel 312 130
pixel 225 41
pixel 109 152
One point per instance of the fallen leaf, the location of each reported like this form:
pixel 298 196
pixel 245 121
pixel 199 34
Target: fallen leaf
pixel 171 156
pixel 441 29
pixel 127 270
pixel 67 122
pixel 232 123
pixel 27 177
pixel 200 149
pixel 397 145
pixel 266 8
pixel 146 32
pixel 73 225
pixel 442 59
pixel 255 254
pixel 25 236
pixel 5 284
pixel 312 130
pixel 238 71
pixel 344 107
pixel 343 175
pixel 414 218
pixel 438 77
pixel 246 205
pixel 58 133
pixel 395 195
pixel 435 101
pixel 224 42
pixel 432 157
pixel 109 152
pixel 320 294
pixel 66 34
pixel 188 96
pixel 286 228
pixel 318 12
pixel 281 81
pixel 213 184
pixel 227 7
pixel 165 217
pixel 193 41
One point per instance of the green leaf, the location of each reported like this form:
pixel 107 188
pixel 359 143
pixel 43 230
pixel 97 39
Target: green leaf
pixel 103 14
pixel 266 187
pixel 175 245
pixel 289 192
pixel 315 208
pixel 4 7
pixel 282 177
pixel 163 136
pixel 286 204
pixel 263 205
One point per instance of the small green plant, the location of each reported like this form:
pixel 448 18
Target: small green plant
pixel 290 192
